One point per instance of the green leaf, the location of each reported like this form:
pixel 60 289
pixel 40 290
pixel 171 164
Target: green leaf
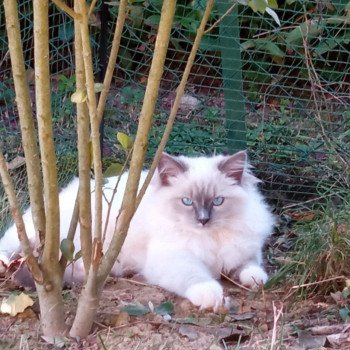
pixel 270 47
pixel 136 15
pixel 248 44
pixel 114 169
pixel 153 21
pixel 67 248
pixel 273 4
pixel 257 5
pixel 166 308
pixel 209 43
pixel 125 58
pixel 307 30
pixel 344 313
pixel 125 141
pixel 136 309
pixel 66 31
pixel 77 255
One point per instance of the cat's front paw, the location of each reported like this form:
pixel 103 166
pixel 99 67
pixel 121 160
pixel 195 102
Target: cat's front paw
pixel 253 276
pixel 206 295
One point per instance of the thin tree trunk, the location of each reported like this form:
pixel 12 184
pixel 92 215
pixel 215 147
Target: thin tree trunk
pixel 83 127
pixel 50 297
pixel 123 5
pixel 25 113
pixel 88 302
pixel 179 93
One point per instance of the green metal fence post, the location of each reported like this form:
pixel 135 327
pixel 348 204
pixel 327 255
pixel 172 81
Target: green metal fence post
pixel 232 77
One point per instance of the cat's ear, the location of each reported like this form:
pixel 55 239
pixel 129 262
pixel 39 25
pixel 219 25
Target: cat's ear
pixel 169 167
pixel 233 166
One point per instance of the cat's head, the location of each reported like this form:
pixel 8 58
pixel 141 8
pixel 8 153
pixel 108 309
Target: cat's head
pixel 204 192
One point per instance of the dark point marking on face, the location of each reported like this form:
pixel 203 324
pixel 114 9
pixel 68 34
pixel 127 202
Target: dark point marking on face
pixel 203 203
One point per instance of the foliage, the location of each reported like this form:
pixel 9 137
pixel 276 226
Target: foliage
pixel 320 258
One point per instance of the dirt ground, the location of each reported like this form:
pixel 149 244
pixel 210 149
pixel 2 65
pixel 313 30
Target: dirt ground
pixel 251 320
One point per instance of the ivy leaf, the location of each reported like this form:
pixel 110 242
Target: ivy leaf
pixel 15 304
pixel 257 5
pixel 114 169
pixel 307 30
pixel 136 309
pixel 79 96
pixel 125 141
pixel 67 248
pixel 166 308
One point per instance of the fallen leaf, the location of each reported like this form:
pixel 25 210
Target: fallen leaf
pixel 302 216
pixel 59 342
pixel 27 314
pixel 15 304
pixel 166 308
pixel 16 163
pixel 122 319
pixel 136 309
pixel 79 96
pixel 242 317
pixel 309 341
pixel 188 332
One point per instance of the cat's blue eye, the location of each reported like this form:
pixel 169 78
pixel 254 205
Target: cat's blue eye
pixel 218 200
pixel 187 201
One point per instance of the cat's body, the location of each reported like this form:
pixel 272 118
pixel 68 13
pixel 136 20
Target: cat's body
pixel 199 216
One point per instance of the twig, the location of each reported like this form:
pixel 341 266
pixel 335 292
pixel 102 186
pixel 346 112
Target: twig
pixel 221 18
pixel 122 10
pixel 18 219
pixel 315 82
pixel 61 5
pixel 179 93
pixel 110 202
pixel 277 313
pixel 234 282
pixel 92 7
pixel 319 282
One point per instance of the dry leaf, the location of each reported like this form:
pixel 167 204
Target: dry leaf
pixel 79 96
pixel 15 304
pixel 121 319
pixel 16 163
pixel 302 216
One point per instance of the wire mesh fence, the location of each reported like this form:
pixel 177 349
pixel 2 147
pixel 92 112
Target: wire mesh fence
pixel 282 91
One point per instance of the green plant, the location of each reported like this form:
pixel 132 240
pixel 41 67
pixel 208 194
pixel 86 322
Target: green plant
pixel 319 262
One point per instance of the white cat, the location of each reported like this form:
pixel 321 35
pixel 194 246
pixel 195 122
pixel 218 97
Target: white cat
pixel 199 216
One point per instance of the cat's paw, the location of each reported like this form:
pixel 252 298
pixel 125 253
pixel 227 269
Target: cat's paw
pixel 253 276
pixel 206 295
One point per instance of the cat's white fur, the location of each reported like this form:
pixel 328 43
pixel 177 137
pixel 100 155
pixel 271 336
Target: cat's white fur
pixel 167 243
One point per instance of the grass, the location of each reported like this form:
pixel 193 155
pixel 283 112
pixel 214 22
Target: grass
pixel 319 262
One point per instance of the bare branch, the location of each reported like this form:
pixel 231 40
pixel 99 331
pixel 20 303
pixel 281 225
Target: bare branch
pixel 112 58
pixel 94 122
pixel 18 219
pixel 83 127
pixel 44 118
pixel 179 93
pixel 29 140
pixel 61 5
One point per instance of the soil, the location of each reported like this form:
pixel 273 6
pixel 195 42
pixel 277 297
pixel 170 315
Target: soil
pixel 251 320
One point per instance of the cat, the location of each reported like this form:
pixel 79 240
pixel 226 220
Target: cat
pixel 200 216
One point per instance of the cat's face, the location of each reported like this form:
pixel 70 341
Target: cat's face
pixel 203 193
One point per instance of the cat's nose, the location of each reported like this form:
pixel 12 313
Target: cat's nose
pixel 203 215
pixel 203 221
